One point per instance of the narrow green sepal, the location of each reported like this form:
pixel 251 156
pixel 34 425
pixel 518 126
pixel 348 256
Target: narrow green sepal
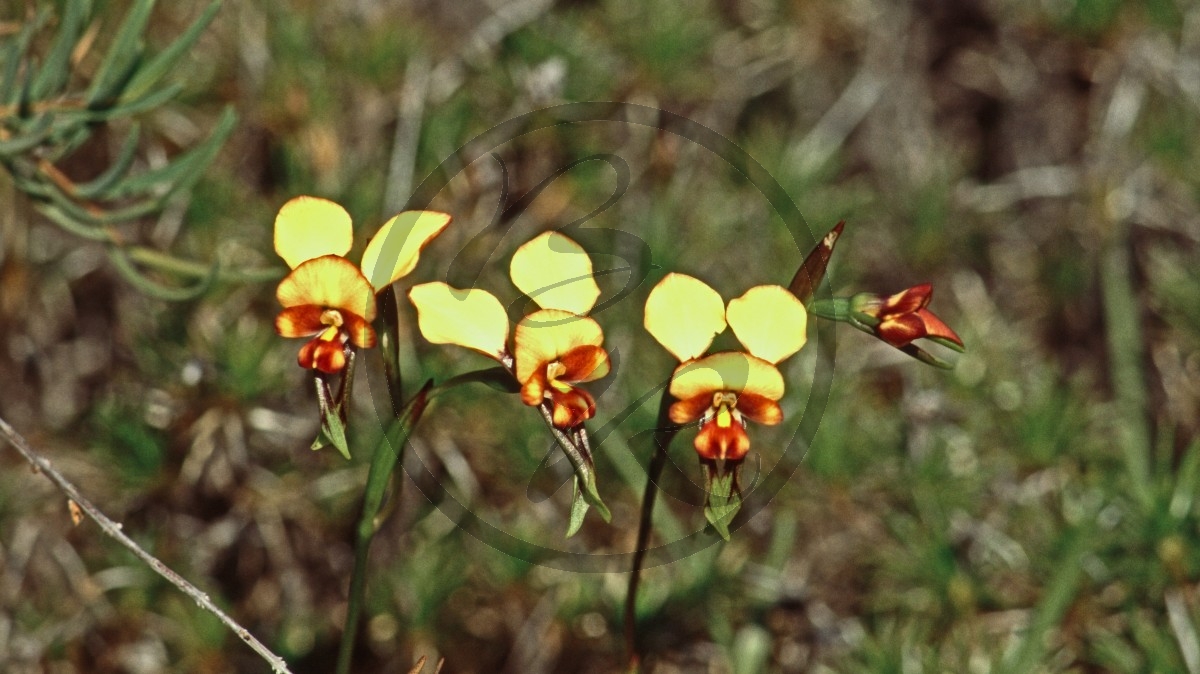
pixel 592 496
pixel 579 508
pixel 948 343
pixel 926 357
pixel 724 497
pixel 333 429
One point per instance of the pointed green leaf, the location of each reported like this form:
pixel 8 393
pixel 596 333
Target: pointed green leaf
pixel 39 131
pixel 129 271
pixel 99 187
pixel 186 168
pixel 57 67
pixel 123 55
pixel 156 68
pixel 15 80
pixel 133 107
pixel 69 223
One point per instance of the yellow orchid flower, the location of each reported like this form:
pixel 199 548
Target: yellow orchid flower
pixel 326 296
pixel 725 389
pixel 553 348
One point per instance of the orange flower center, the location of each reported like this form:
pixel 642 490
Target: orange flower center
pixel 724 407
pixel 332 317
pixel 554 371
pixel 722 430
pixel 571 406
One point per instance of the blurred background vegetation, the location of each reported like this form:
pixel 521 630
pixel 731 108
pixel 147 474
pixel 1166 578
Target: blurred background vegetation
pixel 1032 510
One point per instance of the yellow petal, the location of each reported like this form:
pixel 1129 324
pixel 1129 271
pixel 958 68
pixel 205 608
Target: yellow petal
pixel 309 227
pixel 769 321
pixel 545 336
pixel 329 281
pixel 556 273
pixel 731 371
pixel 395 249
pixel 684 315
pixel 472 318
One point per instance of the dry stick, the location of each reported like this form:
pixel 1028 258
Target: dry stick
pixel 113 529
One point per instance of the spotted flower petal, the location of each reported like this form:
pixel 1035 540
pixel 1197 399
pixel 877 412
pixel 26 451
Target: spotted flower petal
pixel 731 371
pixel 472 318
pixel 556 273
pixel 395 249
pixel 309 227
pixel 328 281
pixel 684 315
pixel 769 321
pixel 550 334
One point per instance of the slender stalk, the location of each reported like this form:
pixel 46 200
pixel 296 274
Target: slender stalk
pixel 1125 347
pixel 165 262
pixel 113 529
pixel 663 435
pixel 388 455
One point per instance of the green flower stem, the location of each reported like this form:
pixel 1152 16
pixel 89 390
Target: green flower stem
pixel 388 455
pixel 836 309
pixel 664 433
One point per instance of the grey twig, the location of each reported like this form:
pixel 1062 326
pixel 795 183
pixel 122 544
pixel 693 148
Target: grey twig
pixel 113 529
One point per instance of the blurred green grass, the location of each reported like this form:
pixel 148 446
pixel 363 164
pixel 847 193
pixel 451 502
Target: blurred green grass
pixel 987 519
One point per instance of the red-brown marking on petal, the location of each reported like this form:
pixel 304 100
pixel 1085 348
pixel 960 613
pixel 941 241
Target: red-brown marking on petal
pixel 300 321
pixel 533 391
pixel 907 301
pixel 572 408
pixel 934 327
pixel 330 357
pixel 687 411
pixel 361 333
pixel 759 409
pixel 715 442
pixel 324 355
pixel 584 363
pixel 900 330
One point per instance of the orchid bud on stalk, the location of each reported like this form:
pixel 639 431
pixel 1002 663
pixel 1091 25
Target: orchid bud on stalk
pixel 898 319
